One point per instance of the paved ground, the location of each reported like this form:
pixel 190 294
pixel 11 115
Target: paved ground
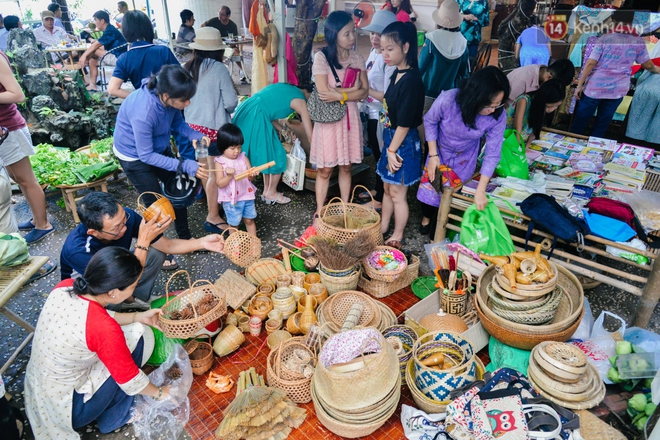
pixel 286 222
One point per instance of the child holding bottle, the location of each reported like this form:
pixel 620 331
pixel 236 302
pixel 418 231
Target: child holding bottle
pixel 237 196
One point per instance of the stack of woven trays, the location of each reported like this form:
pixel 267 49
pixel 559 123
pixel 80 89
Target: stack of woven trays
pixel 361 396
pixel 562 374
pixel 561 327
pixel 335 309
pixel 431 387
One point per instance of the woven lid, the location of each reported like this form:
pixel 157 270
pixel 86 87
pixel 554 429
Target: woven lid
pixel 443 321
pixel 191 346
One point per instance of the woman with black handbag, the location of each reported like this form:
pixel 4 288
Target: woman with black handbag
pixel 142 136
pixel 341 77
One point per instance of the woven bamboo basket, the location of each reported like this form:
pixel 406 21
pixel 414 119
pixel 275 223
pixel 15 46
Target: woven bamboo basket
pixel 266 289
pixel 340 284
pixel 536 316
pixel 310 173
pixel 385 275
pixel 319 292
pixel 520 306
pixel 340 304
pixel 311 278
pixel 186 328
pixel 525 340
pixel 276 337
pixel 259 306
pixel 293 324
pixel 298 390
pixel 200 354
pixel 407 337
pixel 566 357
pixel 228 340
pixel 264 270
pixel 383 289
pixel 273 325
pixel 570 306
pixel 162 203
pixel 337 207
pixel 582 384
pixel 235 288
pixel 585 400
pixel 241 248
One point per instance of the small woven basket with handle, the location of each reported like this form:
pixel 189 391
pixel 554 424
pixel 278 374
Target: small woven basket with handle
pixel 162 203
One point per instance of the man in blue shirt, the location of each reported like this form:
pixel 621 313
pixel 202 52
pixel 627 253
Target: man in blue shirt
pixel 57 12
pixel 111 41
pixel 104 222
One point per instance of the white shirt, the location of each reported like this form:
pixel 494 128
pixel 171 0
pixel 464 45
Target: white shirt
pixel 379 75
pixel 47 38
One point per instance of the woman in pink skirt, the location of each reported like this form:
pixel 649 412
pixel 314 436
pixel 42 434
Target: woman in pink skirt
pixel 338 143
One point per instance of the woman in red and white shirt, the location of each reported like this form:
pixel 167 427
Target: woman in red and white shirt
pixel 85 359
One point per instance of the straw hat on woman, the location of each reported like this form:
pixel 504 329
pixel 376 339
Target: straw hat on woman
pixel 211 107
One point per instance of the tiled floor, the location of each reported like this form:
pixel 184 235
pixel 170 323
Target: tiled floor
pixel 206 407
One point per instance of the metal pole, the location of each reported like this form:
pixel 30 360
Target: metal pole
pixel 170 41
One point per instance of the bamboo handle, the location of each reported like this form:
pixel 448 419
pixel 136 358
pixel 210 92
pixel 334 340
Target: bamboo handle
pixel 260 168
pixel 287 260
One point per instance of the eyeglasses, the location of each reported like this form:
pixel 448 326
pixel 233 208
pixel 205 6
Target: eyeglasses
pixel 120 227
pixel 494 107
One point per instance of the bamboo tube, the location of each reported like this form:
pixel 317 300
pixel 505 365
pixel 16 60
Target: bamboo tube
pixel 260 168
pixel 262 273
pixel 287 260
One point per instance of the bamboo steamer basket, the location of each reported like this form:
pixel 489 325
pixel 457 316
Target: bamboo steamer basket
pixel 337 207
pixel 162 203
pixel 318 292
pixel 186 328
pixel 264 270
pixel 200 354
pixel 384 275
pixel 276 337
pixel 241 248
pixel 530 290
pixel 570 307
pixel 284 301
pixel 228 340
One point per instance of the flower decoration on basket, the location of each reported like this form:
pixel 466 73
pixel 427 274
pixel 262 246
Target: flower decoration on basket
pixel 385 263
pixel 193 309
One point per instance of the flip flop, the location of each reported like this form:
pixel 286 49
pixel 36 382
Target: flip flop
pixel 364 196
pixel 281 199
pixel 396 244
pixel 44 270
pixel 170 258
pixel 216 228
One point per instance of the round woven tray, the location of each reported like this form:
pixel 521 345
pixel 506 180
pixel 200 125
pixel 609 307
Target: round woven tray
pixel 570 306
pixel 513 296
pixel 264 270
pixel 531 290
pixel 340 304
pixel 578 387
pixel 508 304
pixel 553 371
pixel 595 395
pixel 566 356
pixel 525 339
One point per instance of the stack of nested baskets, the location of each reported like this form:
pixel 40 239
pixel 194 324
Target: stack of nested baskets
pixel 431 386
pixel 566 292
pixel 290 367
pixel 335 309
pixel 562 374
pixel 359 397
pixel 404 337
pixel 284 301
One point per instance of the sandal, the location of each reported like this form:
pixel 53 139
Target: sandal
pixel 364 196
pixel 26 226
pixel 173 264
pixel 4 132
pixel 216 228
pixel 396 244
pixel 281 199
pixel 44 270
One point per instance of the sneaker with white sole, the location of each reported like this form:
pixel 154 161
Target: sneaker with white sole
pixel 138 304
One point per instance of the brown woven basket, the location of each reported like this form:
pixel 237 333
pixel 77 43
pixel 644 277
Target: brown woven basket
pixel 200 354
pixel 319 292
pixel 384 275
pixel 235 288
pixel 242 248
pixel 525 340
pixel 382 289
pixel 570 306
pixel 259 306
pixel 337 207
pixel 186 328
pixel 298 390
pixel 340 284
pixel 310 173
pixel 162 203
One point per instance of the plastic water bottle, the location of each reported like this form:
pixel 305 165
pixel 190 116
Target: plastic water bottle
pixel 202 150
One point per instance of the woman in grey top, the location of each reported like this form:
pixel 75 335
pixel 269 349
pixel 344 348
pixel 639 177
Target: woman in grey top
pixel 211 107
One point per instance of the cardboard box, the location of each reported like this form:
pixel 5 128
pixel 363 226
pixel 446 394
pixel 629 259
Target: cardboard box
pixel 475 334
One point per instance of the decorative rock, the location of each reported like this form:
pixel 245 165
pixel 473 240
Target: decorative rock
pixel 38 83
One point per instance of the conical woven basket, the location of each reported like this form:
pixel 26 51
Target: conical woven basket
pixel 228 340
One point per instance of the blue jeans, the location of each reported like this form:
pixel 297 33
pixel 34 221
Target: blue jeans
pixel 110 406
pixel 585 110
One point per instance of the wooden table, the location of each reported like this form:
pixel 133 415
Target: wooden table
pixel 59 50
pixel 237 42
pixel 11 280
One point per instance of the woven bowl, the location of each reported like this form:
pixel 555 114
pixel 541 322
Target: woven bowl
pixel 319 292
pixel 340 304
pixel 293 324
pixel 276 337
pixel 570 306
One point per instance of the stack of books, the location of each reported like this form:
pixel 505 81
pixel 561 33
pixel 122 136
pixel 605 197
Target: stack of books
pixel 558 187
pixel 627 169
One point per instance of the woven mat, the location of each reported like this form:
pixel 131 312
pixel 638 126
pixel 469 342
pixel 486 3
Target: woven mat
pixel 593 428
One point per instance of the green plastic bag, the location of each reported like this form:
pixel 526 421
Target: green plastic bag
pixel 513 161
pixel 163 346
pixel 13 250
pixel 485 231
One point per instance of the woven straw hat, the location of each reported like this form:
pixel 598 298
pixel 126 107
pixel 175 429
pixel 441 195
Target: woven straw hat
pixel 208 39
pixel 447 15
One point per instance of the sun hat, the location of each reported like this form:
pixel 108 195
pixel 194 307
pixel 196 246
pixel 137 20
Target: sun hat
pixel 380 21
pixel 208 39
pixel 47 14
pixel 447 15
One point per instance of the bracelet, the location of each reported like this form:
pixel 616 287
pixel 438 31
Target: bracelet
pixel 433 155
pixel 144 248
pixel 160 393
pixel 345 95
pixel 390 151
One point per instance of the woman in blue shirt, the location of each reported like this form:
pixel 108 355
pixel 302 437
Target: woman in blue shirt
pixel 476 15
pixel 143 57
pixel 142 134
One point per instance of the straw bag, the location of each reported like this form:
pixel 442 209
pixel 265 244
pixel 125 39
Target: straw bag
pixel 191 310
pixel 352 216
pixel 298 389
pixel 242 248
pixel 162 203
pixel 200 354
